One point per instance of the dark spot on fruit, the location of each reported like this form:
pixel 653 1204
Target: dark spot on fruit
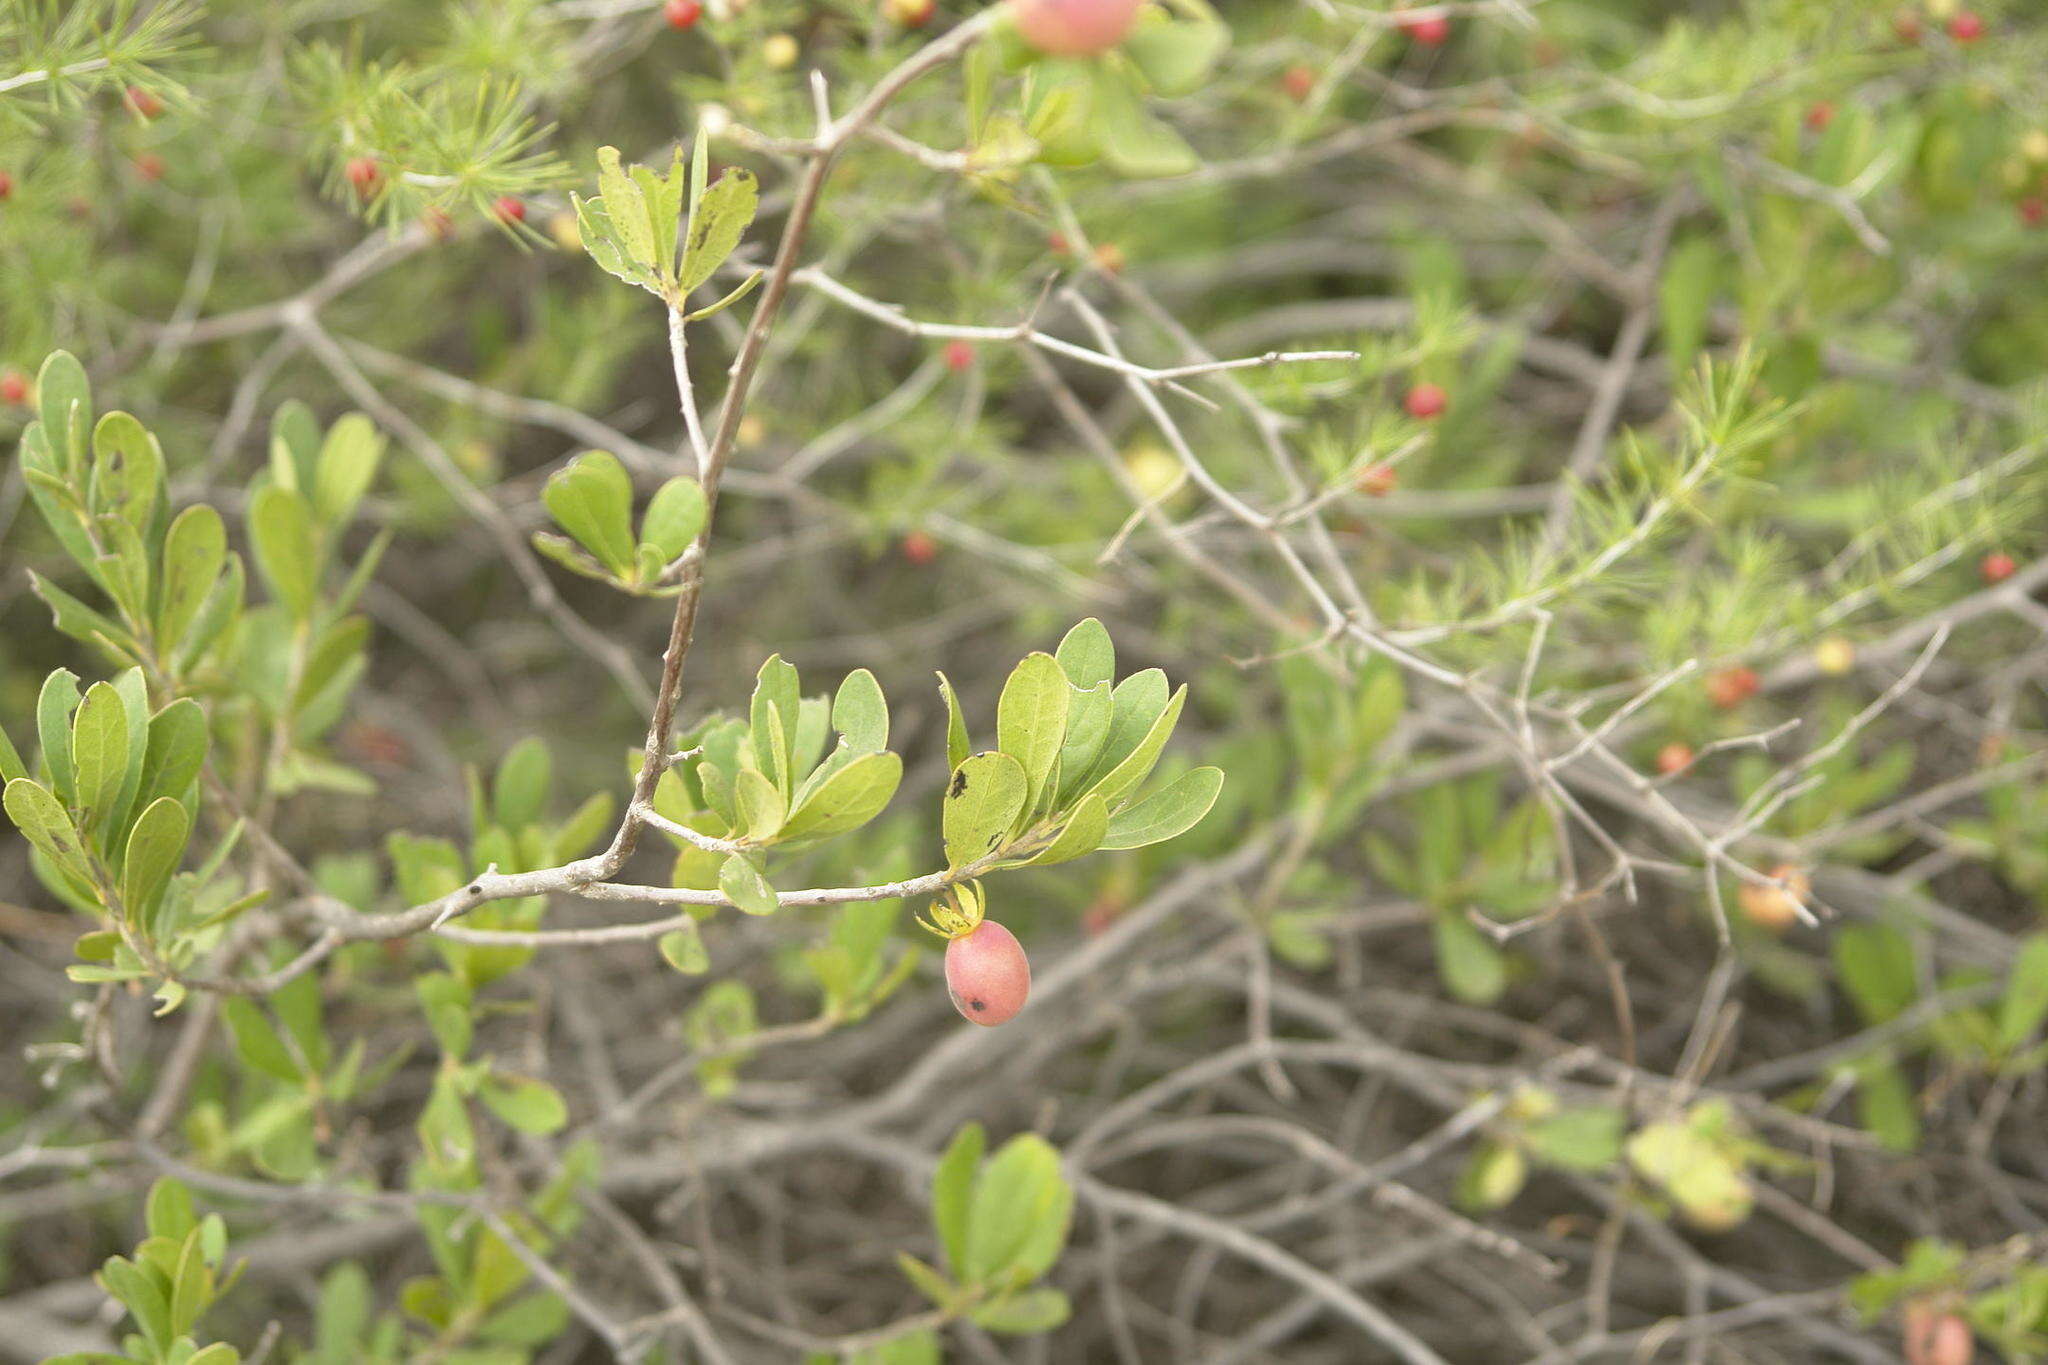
pixel 977 1004
pixel 959 784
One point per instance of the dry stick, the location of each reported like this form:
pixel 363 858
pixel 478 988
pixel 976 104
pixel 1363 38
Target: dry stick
pixel 832 135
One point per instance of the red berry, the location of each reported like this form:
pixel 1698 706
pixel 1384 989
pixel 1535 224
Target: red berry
pixel 149 166
pixel 142 103
pixel 1299 81
pixel 919 548
pixel 1109 258
pixel 1966 27
pixel 1377 480
pixel 1820 115
pixel 987 974
pixel 2034 210
pixel 1426 401
pixel 14 389
pixel 1731 687
pixel 363 176
pixel 910 13
pixel 1074 28
pixel 1430 30
pixel 6 184
pixel 959 355
pixel 1997 567
pixel 682 13
pixel 509 210
pixel 1674 757
pixel 1933 1337
pixel 1056 242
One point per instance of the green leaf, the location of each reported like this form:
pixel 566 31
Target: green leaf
pixel 957 746
pixel 11 765
pixel 1472 968
pixel 675 517
pixel 531 1106
pixel 2026 993
pixel 99 750
pixel 763 812
pixel 1885 1104
pixel 1692 271
pixel 287 555
pixel 627 208
pixel 719 217
pixel 928 1281
pixel 1876 966
pixel 983 801
pixel 1031 721
pixel 195 549
pixel 1019 1215
pixel 1587 1139
pixel 1089 713
pixel 43 822
pixel 848 799
pixel 175 751
pixel 1175 55
pixel 127 471
pixel 155 847
pixel 1134 141
pixel 592 499
pixel 746 888
pixel 519 791
pixel 168 1211
pixel 1172 810
pixel 1137 703
pixel 64 402
pixel 683 949
pixel 1082 834
pixel 860 713
pixel 1035 1310
pixel 953 1192
pixel 347 467
pixel 772 715
pixel 294 445
pixel 256 1042
pixel 1087 654
pixel 1125 778
pixel 601 242
pixel 54 705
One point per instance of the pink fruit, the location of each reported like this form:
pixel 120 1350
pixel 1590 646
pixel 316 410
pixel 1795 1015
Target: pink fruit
pixel 1074 28
pixel 987 974
pixel 919 548
pixel 14 389
pixel 142 102
pixel 959 355
pixel 1426 400
pixel 682 13
pixel 1933 1337
pixel 362 175
pixel 1674 757
pixel 1966 27
pixel 1997 567
pixel 510 210
pixel 1430 30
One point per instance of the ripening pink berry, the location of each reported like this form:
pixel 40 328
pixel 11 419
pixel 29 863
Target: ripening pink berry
pixel 14 389
pixel 1674 757
pixel 509 210
pixel 682 13
pixel 1820 115
pixel 1997 567
pixel 1430 30
pixel 1966 27
pixel 142 102
pixel 987 974
pixel 1299 81
pixel 919 548
pixel 362 175
pixel 1426 400
pixel 1730 687
pixel 2033 210
pixel 1074 28
pixel 6 184
pixel 149 166
pixel 1377 480
pixel 959 355
pixel 1932 1337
